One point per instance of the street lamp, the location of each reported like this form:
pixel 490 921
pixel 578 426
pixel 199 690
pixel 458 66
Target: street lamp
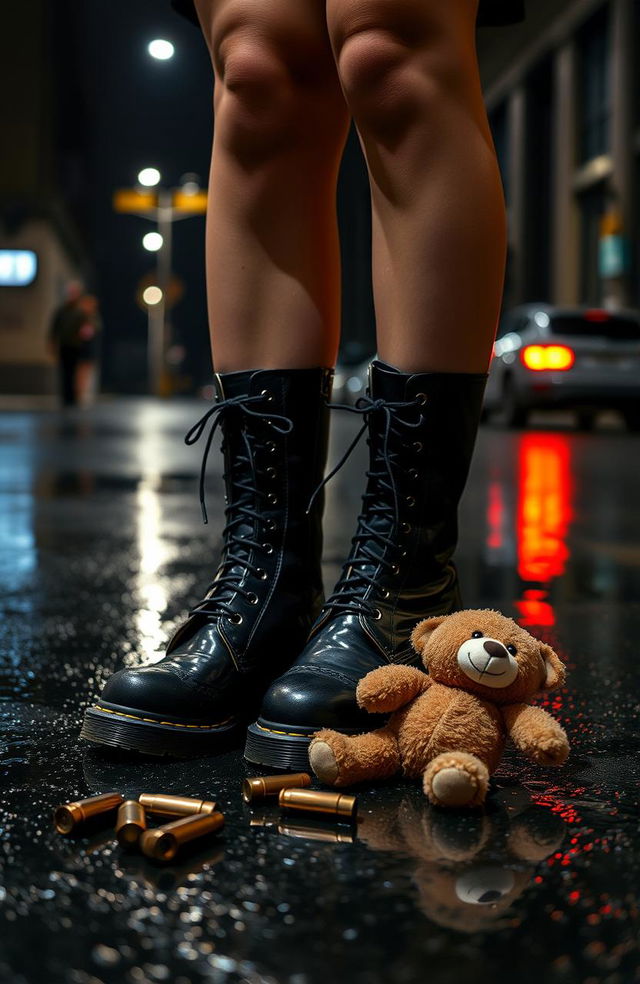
pixel 152 295
pixel 149 177
pixel 160 49
pixel 152 242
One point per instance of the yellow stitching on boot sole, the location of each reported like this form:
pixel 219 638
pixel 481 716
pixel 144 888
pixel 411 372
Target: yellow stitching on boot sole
pixel 171 724
pixel 272 731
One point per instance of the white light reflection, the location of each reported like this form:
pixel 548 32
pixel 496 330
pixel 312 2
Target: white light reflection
pixel 153 553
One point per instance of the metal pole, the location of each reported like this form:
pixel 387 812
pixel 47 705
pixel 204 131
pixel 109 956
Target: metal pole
pixel 165 224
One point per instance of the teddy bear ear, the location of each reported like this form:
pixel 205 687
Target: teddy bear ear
pixel 555 672
pixel 423 630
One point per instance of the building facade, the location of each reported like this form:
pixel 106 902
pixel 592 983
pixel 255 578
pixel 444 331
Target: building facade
pixel 562 92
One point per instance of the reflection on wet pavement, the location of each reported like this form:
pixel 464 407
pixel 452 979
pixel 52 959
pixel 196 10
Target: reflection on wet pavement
pixel 105 550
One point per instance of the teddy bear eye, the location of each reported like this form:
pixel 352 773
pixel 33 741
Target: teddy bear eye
pixel 477 634
pixel 512 649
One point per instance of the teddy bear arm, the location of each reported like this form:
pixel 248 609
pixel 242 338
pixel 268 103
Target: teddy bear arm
pixel 390 687
pixel 536 734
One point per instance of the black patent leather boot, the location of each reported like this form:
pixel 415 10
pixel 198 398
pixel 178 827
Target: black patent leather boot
pixel 421 433
pixel 267 592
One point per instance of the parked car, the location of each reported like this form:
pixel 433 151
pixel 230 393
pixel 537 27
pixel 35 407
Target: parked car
pixel 582 358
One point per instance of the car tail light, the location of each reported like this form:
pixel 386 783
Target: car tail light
pixel 597 314
pixel 554 357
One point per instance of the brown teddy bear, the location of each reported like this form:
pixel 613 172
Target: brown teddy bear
pixel 450 725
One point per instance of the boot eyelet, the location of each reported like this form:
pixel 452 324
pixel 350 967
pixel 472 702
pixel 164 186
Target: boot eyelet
pixel 262 574
pixel 268 549
pixel 267 395
pixel 376 614
pixel 395 569
pixel 252 598
pixel 270 525
pixel 410 501
pixel 236 618
pixel 421 398
pixel 418 446
pixel 413 473
pixel 403 553
pixel 272 498
pixel 384 593
pixel 271 472
pixel 270 446
pixel 405 528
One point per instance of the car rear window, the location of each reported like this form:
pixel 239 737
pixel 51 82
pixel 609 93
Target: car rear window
pixel 596 323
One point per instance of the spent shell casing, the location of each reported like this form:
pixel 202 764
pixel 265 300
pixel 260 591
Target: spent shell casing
pixel 68 817
pixel 261 786
pixel 163 843
pixel 329 833
pixel 131 823
pixel 175 806
pixel 310 801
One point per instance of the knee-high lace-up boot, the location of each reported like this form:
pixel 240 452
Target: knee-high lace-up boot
pixel 421 433
pixel 256 614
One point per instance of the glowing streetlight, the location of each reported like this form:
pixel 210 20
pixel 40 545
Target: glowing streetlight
pixel 152 241
pixel 152 295
pixel 149 176
pixel 160 49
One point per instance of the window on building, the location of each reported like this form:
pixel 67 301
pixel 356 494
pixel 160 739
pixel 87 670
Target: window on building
pixel 594 86
pixel 635 66
pixel 539 154
pixel 593 203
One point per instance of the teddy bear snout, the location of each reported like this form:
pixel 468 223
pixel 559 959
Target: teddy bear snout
pixel 496 649
pixel 487 661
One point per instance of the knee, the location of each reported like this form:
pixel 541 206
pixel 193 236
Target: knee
pixel 266 102
pixel 394 73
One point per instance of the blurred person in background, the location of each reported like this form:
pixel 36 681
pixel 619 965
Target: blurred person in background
pixel 74 342
pixel 289 77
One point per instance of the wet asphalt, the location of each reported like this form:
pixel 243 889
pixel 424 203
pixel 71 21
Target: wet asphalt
pixel 103 551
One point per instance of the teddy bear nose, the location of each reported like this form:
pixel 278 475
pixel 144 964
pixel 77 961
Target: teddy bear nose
pixel 495 649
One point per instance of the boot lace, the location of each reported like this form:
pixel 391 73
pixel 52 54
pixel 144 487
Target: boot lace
pixel 380 500
pixel 234 554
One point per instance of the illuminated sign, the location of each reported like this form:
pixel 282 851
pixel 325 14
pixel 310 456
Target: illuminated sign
pixel 18 267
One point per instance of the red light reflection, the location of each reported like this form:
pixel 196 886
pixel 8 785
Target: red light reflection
pixel 544 508
pixel 543 515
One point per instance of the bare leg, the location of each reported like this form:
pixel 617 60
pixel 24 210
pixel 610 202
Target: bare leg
pixel 273 260
pixel 410 76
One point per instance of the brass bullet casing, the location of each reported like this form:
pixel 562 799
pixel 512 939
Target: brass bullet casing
pixel 314 830
pixel 336 804
pixel 68 817
pixel 163 843
pixel 175 806
pixel 131 823
pixel 261 786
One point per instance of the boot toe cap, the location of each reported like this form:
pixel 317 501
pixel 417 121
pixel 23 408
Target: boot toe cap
pixel 156 691
pixel 311 699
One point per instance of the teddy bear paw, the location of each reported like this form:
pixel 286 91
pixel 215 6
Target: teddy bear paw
pixel 456 780
pixel 323 761
pixel 552 751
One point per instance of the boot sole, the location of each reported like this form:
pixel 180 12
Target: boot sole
pixel 282 746
pixel 126 729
